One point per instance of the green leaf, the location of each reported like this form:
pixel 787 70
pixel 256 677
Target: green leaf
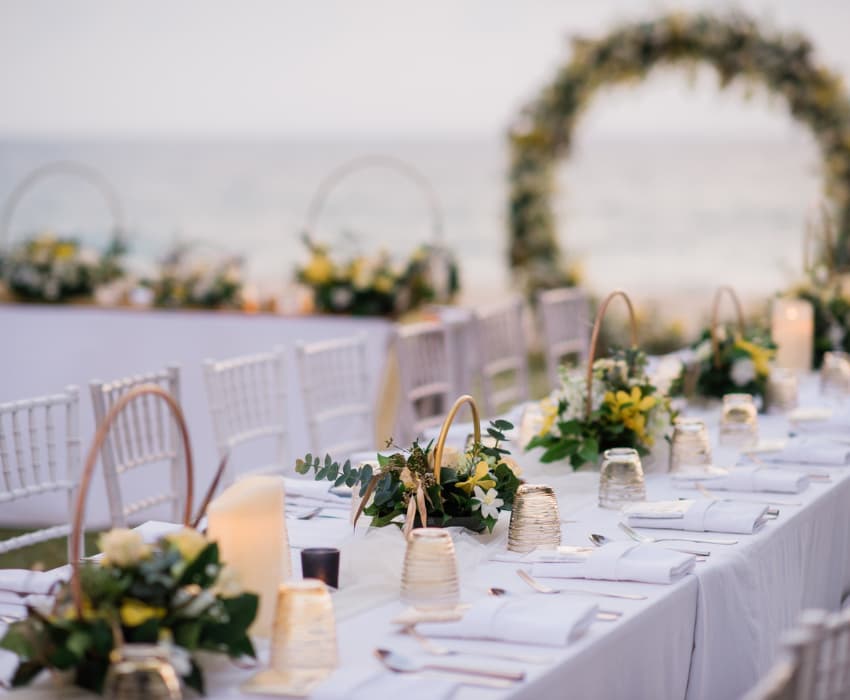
pixel 495 434
pixel 557 451
pixel 187 634
pixel 242 609
pixel 26 671
pixel 502 424
pixel 328 461
pixel 195 679
pixel 309 458
pixel 196 571
pixel 78 643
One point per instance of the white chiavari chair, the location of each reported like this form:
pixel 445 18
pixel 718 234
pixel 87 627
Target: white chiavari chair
pixel 425 377
pixel 40 454
pixel 502 355
pixel 143 435
pixel 335 385
pixel 247 398
pixel 565 327
pixel 815 663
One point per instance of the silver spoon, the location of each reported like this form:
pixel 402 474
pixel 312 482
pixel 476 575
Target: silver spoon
pixel 635 535
pixel 599 540
pixel 402 664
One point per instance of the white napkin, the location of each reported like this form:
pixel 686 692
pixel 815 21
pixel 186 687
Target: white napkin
pixel 527 619
pixel 25 581
pixel 705 515
pixel 307 487
pixel 617 561
pixel 818 452
pixel 838 424
pixel 751 478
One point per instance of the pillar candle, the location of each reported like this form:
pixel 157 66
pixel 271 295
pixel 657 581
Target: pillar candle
pixel 248 522
pixel 793 330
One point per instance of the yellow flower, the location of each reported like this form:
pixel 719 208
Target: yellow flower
pixel 549 409
pixel 122 548
pixel 384 283
pixel 189 542
pixel 135 612
pixel 406 478
pixel 64 251
pixel 319 270
pixel 481 478
pixel 630 408
pixel 761 356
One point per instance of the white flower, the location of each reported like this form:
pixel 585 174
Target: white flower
pixel 703 351
pixel 341 297
pixel 228 584
pixel 743 371
pixel 489 502
pixel 122 547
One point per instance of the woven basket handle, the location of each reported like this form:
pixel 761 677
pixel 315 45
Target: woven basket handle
pixel 594 339
pixel 91 461
pixel 67 167
pixel 447 423
pixel 715 308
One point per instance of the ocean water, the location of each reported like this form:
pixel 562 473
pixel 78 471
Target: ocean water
pixel 667 219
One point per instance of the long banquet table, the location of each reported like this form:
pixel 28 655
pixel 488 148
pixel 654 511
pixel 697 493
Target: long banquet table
pixel 710 635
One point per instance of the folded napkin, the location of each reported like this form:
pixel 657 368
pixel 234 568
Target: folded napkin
pixel 527 619
pixel 749 478
pixel 834 423
pixel 616 561
pixel 704 515
pixel 25 581
pixel 820 452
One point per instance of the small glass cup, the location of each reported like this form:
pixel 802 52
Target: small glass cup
pixel 739 421
pixel 782 390
pixel 620 478
pixel 321 563
pixel 429 578
pixel 303 646
pixel 535 519
pixel 835 374
pixel 690 448
pixel 141 672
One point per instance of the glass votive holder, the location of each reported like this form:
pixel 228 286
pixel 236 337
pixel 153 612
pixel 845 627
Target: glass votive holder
pixel 530 424
pixel 141 672
pixel 690 447
pixel 303 645
pixel 321 563
pixel 535 519
pixel 782 390
pixel 835 374
pixel 429 577
pixel 739 421
pixel 620 478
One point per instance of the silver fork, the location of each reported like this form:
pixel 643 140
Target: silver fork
pixel 437 650
pixel 637 537
pixel 310 515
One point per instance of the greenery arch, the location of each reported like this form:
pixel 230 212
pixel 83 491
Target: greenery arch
pixel 736 48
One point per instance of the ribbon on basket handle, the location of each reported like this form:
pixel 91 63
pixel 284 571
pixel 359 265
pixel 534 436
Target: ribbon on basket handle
pixel 594 338
pixel 715 308
pixel 91 460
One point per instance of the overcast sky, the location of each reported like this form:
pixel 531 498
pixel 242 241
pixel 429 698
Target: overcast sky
pixel 343 67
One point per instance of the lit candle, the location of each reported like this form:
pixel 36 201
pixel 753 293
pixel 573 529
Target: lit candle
pixel 793 328
pixel 248 522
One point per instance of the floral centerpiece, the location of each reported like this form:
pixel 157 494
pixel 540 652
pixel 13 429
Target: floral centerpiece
pixel 626 410
pixel 473 487
pixel 374 286
pixel 51 269
pixel 184 282
pixel 175 592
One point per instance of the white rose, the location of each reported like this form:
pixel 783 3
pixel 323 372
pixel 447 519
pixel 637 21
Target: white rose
pixel 743 371
pixel 122 547
pixel 703 351
pixel 341 298
pixel 228 584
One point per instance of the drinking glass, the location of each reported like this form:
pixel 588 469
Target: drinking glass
pixel 690 448
pixel 835 374
pixel 620 478
pixel 739 421
pixel 429 578
pixel 141 672
pixel 782 390
pixel 535 519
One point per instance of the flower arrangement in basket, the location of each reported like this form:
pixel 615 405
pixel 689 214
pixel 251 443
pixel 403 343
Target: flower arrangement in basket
pixel 175 593
pixel 185 282
pixel 431 485
pixel 615 404
pixel 47 268
pixel 730 361
pixel 370 286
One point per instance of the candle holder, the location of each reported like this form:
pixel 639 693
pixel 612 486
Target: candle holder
pixel 739 421
pixel 690 447
pixel 792 328
pixel 321 563
pixel 429 579
pixel 835 374
pixel 621 478
pixel 303 645
pixel 141 672
pixel 535 519
pixel 782 390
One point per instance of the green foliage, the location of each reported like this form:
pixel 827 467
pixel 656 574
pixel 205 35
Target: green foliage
pixel 717 379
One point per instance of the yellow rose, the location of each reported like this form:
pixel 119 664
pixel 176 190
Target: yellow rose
pixel 481 477
pixel 384 283
pixel 189 542
pixel 64 251
pixel 122 548
pixel 134 612
pixel 549 409
pixel 319 270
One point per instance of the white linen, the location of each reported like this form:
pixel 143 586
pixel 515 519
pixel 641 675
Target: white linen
pixel 835 424
pixel 814 452
pixel 25 581
pixel 616 561
pixel 528 619
pixel 707 515
pixel 747 478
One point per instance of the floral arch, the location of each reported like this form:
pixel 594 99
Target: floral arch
pixel 542 135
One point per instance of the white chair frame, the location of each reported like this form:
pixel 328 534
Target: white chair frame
pixel 335 386
pixel 502 354
pixel 425 376
pixel 565 327
pixel 29 462
pixel 143 434
pixel 247 398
